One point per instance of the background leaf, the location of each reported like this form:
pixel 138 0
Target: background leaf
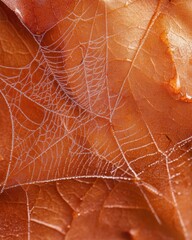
pixel 95 136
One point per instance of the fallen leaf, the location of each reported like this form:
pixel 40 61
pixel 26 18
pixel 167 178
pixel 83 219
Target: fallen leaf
pixel 95 119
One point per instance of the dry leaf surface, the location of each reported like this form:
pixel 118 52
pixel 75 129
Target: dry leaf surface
pixel 95 119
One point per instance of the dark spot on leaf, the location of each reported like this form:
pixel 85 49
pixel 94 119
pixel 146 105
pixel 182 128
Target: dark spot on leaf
pixel 126 236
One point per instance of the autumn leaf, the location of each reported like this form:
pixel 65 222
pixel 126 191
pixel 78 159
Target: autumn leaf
pixel 95 119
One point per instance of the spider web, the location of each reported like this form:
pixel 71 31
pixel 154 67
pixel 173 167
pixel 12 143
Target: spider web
pixel 92 126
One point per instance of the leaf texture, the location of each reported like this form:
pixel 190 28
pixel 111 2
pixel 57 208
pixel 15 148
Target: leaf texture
pixel 95 119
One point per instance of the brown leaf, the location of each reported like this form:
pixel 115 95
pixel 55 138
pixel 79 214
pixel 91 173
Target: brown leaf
pixel 95 131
